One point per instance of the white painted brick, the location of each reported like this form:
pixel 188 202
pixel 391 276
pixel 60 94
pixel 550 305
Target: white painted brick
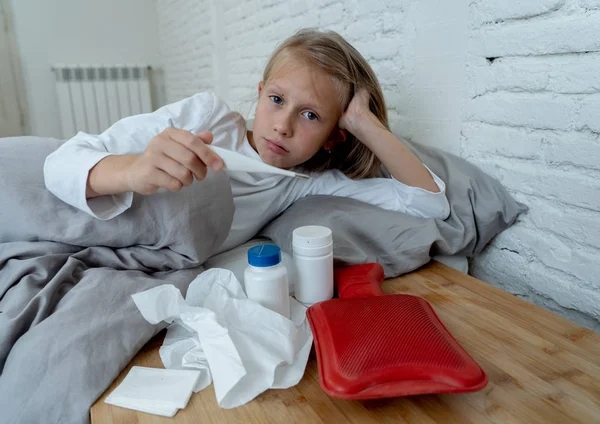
pixel 274 13
pixel 499 10
pixel 298 7
pixel 502 268
pixel 522 109
pixel 275 31
pixel 397 100
pixel 389 72
pixel 509 270
pixel 254 21
pixel 364 29
pixel 234 14
pixel 401 124
pixel 502 141
pixel 578 149
pixel 590 4
pixel 338 27
pixel 501 265
pixel 565 292
pixel 360 8
pixel 393 22
pixel 229 4
pixel 252 51
pixel 262 4
pixel 590 112
pixel 320 4
pixel 569 187
pixel 569 257
pixel 186 48
pixel 563 34
pixel 380 49
pixel 565 74
pixel 331 14
pixel 558 241
pixel 565 221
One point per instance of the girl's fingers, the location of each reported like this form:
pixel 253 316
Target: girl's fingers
pixel 176 170
pixel 197 144
pixel 181 154
pixel 206 137
pixel 161 179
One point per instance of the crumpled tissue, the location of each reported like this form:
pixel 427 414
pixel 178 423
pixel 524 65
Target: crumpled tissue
pixel 240 345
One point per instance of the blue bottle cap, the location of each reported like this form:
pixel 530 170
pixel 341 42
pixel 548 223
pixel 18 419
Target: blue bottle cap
pixel 264 255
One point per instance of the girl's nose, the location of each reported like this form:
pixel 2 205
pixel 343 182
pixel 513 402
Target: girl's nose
pixel 283 125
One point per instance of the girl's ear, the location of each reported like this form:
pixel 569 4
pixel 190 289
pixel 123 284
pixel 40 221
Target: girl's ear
pixel 338 135
pixel 261 85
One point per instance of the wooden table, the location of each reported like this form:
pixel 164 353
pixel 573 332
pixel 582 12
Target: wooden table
pixel 542 369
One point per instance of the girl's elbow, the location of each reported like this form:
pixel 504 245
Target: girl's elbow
pixel 53 171
pixel 48 171
pixel 438 210
pixel 444 210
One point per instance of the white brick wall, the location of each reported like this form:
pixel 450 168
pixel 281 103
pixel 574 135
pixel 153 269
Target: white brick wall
pixel 231 62
pixel 532 119
pixel 513 86
pixel 186 46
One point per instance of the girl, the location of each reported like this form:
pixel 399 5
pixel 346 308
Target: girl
pixel 320 108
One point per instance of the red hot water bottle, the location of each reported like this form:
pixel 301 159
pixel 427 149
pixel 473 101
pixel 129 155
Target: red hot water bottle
pixel 370 345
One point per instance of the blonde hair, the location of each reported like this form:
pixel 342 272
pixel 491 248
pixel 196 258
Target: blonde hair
pixel 349 70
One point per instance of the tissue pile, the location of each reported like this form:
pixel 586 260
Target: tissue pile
pixel 240 345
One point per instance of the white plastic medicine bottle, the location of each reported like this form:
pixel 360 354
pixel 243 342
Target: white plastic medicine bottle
pixel 265 279
pixel 313 260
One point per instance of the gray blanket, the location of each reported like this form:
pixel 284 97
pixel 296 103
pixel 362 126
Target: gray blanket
pixel 68 325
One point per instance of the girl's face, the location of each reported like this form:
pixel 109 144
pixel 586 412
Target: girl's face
pixel 297 114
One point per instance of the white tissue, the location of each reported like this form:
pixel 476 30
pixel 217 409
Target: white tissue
pixel 181 349
pixel 154 390
pixel 245 347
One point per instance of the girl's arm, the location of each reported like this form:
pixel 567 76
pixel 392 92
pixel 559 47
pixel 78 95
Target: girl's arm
pixel 86 171
pixel 172 160
pixel 404 165
pixel 385 193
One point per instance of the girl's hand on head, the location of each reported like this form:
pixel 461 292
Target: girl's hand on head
pixel 358 114
pixel 172 160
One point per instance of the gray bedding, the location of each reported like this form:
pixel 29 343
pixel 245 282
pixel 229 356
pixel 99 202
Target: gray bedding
pixel 68 325
pixel 480 208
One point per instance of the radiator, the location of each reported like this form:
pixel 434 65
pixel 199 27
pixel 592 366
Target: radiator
pixel 92 98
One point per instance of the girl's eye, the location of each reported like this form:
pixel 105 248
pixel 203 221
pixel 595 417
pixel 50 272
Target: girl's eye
pixel 276 99
pixel 311 116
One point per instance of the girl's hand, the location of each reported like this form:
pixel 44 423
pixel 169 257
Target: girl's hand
pixel 404 166
pixel 172 160
pixel 358 115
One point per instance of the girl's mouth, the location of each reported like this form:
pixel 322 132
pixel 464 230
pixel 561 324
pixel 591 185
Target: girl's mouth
pixel 276 148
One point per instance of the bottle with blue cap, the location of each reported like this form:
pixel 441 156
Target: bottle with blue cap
pixel 265 279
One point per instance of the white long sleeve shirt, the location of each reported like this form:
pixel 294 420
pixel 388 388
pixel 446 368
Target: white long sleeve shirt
pixel 258 198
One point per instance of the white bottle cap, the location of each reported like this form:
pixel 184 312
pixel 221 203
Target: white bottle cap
pixel 312 240
pixel 312 236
